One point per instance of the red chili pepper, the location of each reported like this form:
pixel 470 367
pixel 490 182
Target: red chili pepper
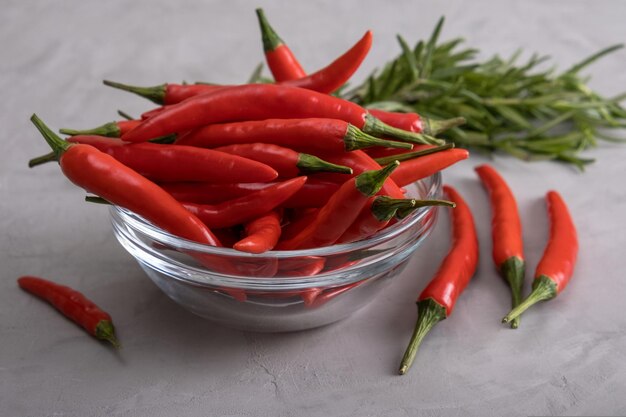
pixel 150 113
pixel 338 72
pixel 327 295
pixel 207 193
pixel 416 169
pixel 340 212
pixel 262 234
pixel 287 162
pixel 167 93
pixel 259 102
pixel 297 221
pixel 313 194
pixel 73 305
pixel 246 208
pixel 437 300
pixel 420 151
pixel 282 62
pixel 180 163
pixel 416 123
pixel 304 135
pixel 378 213
pixel 559 257
pixel 506 233
pixel 111 129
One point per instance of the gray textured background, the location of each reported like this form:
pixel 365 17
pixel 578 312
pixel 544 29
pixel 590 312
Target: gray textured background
pixel 566 359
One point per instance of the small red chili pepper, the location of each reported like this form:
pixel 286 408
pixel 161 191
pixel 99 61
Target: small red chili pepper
pixel 281 61
pixel 559 257
pixel 340 211
pixel 506 233
pixel 180 163
pixel 421 150
pixel 73 305
pixel 297 221
pixel 208 193
pixel 338 72
pixel 327 295
pixel 437 300
pixel 156 110
pixel 262 233
pixel 304 135
pixel 313 194
pixel 246 208
pixel 259 102
pixel 287 162
pixel 416 169
pixel 416 123
pixel 167 93
pixel 111 129
pixel 378 213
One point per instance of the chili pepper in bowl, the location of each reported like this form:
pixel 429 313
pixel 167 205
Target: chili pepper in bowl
pixel 287 162
pixel 415 169
pixel 304 135
pixel 73 305
pixel 262 233
pixel 264 101
pixel 437 300
pixel 556 266
pixel 166 94
pixel 111 129
pixel 506 233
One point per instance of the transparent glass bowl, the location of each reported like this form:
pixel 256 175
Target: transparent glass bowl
pixel 278 290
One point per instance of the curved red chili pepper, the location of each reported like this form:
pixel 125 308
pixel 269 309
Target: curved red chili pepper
pixel 287 162
pixel 73 305
pixel 246 208
pixel 338 72
pixel 281 61
pixel 416 169
pixel 506 232
pixel 416 123
pixel 259 102
pixel 208 193
pixel 111 129
pixel 262 233
pixel 180 163
pixel 305 135
pixel 340 211
pixel 166 93
pixel 437 300
pixel 147 114
pixel 556 266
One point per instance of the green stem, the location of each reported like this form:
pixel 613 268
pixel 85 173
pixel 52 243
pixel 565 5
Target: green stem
pixel 384 208
pixel 412 155
pixel 125 115
pixel 155 94
pixel 49 157
pixel 96 200
pixel 355 139
pixel 58 145
pixel 106 331
pixel 377 127
pixel 403 212
pixel 543 289
pixel 310 163
pixel 429 313
pixel 434 127
pixel 512 270
pixel 271 40
pixel 370 182
pixel 110 130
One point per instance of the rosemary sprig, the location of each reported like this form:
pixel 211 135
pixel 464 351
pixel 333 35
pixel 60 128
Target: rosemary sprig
pixel 518 108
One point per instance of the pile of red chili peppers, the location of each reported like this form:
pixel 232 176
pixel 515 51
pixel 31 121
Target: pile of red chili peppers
pixel 288 166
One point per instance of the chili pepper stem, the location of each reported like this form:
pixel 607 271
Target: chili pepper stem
pixel 155 94
pixel 125 115
pixel 355 139
pixel 370 182
pixel 543 289
pixel 310 163
pixel 412 155
pixel 270 38
pixel 49 157
pixel 106 331
pixel 512 271
pixel 110 129
pixel 57 144
pixel 405 211
pixel 435 127
pixel 377 127
pixel 429 313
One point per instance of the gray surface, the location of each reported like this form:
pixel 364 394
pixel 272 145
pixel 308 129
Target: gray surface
pixel 566 359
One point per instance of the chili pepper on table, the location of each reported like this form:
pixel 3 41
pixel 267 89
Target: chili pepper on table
pixel 73 305
pixel 166 94
pixel 287 162
pixel 437 300
pixel 340 211
pixel 304 135
pixel 416 169
pixel 180 163
pixel 281 61
pixel 259 102
pixel 559 257
pixel 506 233
pixel 248 207
pixel 111 129
pixel 262 233
pixel 416 123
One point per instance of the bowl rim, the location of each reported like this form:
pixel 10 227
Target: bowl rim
pixel 433 185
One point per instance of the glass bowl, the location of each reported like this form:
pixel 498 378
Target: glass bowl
pixel 278 290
